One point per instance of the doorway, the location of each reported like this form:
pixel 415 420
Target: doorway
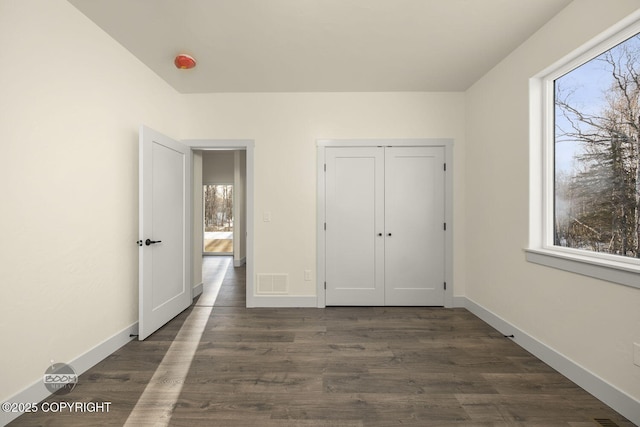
pixel 218 218
pixel 241 163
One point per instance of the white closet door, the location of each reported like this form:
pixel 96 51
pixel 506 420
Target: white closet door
pixel 414 226
pixel 355 226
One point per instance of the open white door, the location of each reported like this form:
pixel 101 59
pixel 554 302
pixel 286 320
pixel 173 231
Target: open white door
pixel 165 170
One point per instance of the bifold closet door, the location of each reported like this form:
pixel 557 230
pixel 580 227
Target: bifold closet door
pixel 384 237
pixel 354 200
pixel 414 226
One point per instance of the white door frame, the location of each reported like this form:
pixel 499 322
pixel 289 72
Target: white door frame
pixel 236 144
pixel 447 143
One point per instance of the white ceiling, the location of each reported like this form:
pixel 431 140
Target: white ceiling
pixel 321 45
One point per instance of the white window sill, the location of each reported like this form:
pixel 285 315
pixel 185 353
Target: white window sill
pixel 612 271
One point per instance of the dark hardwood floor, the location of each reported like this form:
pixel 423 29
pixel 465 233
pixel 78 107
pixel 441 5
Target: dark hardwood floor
pixel 347 366
pixel 233 288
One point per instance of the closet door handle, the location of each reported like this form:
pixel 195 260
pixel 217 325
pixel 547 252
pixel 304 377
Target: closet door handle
pixel 380 234
pixel 389 234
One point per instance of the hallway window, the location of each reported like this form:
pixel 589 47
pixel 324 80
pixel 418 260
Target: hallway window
pixel 218 218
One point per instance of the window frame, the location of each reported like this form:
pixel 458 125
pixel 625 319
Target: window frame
pixel 541 248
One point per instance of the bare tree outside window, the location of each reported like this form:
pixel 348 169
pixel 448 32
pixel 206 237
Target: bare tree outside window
pixel 218 207
pixel 597 132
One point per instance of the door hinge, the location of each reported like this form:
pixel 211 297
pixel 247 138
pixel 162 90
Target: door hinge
pixel 445 167
pixel 325 285
pixel 325 167
pixel 445 226
pixel 445 286
pixel 325 226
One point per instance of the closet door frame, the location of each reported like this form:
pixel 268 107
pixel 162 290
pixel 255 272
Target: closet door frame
pixel 322 144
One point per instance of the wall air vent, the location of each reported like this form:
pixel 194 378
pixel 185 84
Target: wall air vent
pixel 272 284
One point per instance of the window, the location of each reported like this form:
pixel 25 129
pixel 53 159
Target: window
pixel 585 157
pixel 217 203
pixel 597 124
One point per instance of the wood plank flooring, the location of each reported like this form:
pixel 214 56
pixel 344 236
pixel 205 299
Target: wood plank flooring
pixel 233 288
pixel 346 366
pixel 218 245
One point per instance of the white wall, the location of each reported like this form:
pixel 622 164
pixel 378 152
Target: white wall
pixel 198 226
pixel 285 128
pixel 72 100
pixel 240 207
pixel 589 321
pixel 218 167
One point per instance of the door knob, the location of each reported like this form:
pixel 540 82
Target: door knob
pixel 151 242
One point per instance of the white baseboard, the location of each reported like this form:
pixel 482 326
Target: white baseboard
pixel 459 302
pixel 607 393
pixel 239 262
pixel 37 392
pixel 197 289
pixel 279 301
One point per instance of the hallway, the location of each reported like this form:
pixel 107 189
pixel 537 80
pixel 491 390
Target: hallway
pixel 340 366
pixel 233 287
